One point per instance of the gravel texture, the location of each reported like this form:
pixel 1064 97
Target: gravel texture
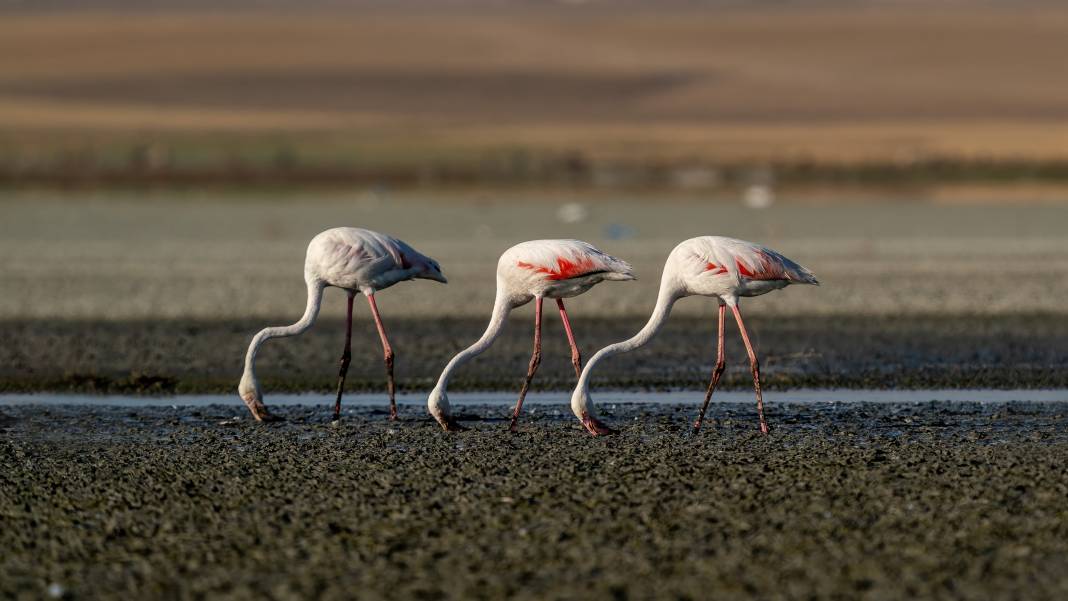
pixel 847 501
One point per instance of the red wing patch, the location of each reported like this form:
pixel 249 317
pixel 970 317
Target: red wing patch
pixel 715 269
pixel 768 269
pixel 742 269
pixel 565 268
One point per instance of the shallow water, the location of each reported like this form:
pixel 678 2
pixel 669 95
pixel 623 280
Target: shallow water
pixel 508 398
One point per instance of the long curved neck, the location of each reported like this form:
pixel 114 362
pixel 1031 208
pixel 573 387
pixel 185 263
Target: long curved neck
pixel 502 306
pixel 664 301
pixel 311 311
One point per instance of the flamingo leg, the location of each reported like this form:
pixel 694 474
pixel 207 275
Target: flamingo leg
pixel 346 358
pixel 754 365
pixel 717 371
pixel 535 360
pixel 387 355
pixel 576 356
pixel 594 425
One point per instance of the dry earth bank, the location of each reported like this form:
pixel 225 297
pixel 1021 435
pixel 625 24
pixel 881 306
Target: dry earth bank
pixel 913 351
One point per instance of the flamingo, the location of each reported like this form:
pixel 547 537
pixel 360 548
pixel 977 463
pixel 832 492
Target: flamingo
pixel 535 270
pixel 355 260
pixel 724 268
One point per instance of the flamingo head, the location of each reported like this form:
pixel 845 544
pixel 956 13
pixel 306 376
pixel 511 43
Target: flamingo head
pixel 249 389
pixel 438 404
pixel 431 270
pixel 580 402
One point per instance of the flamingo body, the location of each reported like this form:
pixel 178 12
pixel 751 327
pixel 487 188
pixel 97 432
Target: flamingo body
pixel 356 260
pixel 528 271
pixel 366 261
pixel 557 269
pixel 714 266
pixel 728 268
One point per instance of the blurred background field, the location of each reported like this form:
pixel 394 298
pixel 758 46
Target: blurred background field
pixel 167 162
pixel 126 256
pixel 688 96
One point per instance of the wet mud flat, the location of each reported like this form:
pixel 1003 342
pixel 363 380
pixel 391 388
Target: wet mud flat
pixel 855 500
pixel 837 351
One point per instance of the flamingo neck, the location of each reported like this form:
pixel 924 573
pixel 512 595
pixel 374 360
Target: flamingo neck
pixel 311 311
pixel 669 294
pixel 502 306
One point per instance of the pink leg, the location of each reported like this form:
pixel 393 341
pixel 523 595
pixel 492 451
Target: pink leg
pixel 576 356
pixel 754 365
pixel 387 352
pixel 535 360
pixel 717 371
pixel 346 358
pixel 594 425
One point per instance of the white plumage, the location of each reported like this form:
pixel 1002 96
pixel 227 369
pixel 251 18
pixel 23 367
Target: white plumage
pixel 558 268
pixel 528 271
pixel 724 268
pixel 730 268
pixel 366 261
pixel 356 260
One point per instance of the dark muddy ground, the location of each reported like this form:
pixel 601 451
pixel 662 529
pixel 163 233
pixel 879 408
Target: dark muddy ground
pixel 915 351
pixel 937 500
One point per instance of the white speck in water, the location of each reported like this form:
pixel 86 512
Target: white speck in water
pixel 56 590
pixel 391 431
pixel 759 196
pixel 572 212
pixel 507 500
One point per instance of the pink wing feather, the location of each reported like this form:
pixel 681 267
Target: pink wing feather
pixel 751 261
pixel 566 259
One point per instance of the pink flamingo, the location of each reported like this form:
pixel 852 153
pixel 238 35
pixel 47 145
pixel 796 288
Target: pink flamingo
pixel 355 260
pixel 723 268
pixel 528 271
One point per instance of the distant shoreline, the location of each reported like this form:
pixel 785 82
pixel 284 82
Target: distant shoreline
pixel 935 179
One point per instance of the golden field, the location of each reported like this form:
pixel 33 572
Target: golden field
pixel 827 85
